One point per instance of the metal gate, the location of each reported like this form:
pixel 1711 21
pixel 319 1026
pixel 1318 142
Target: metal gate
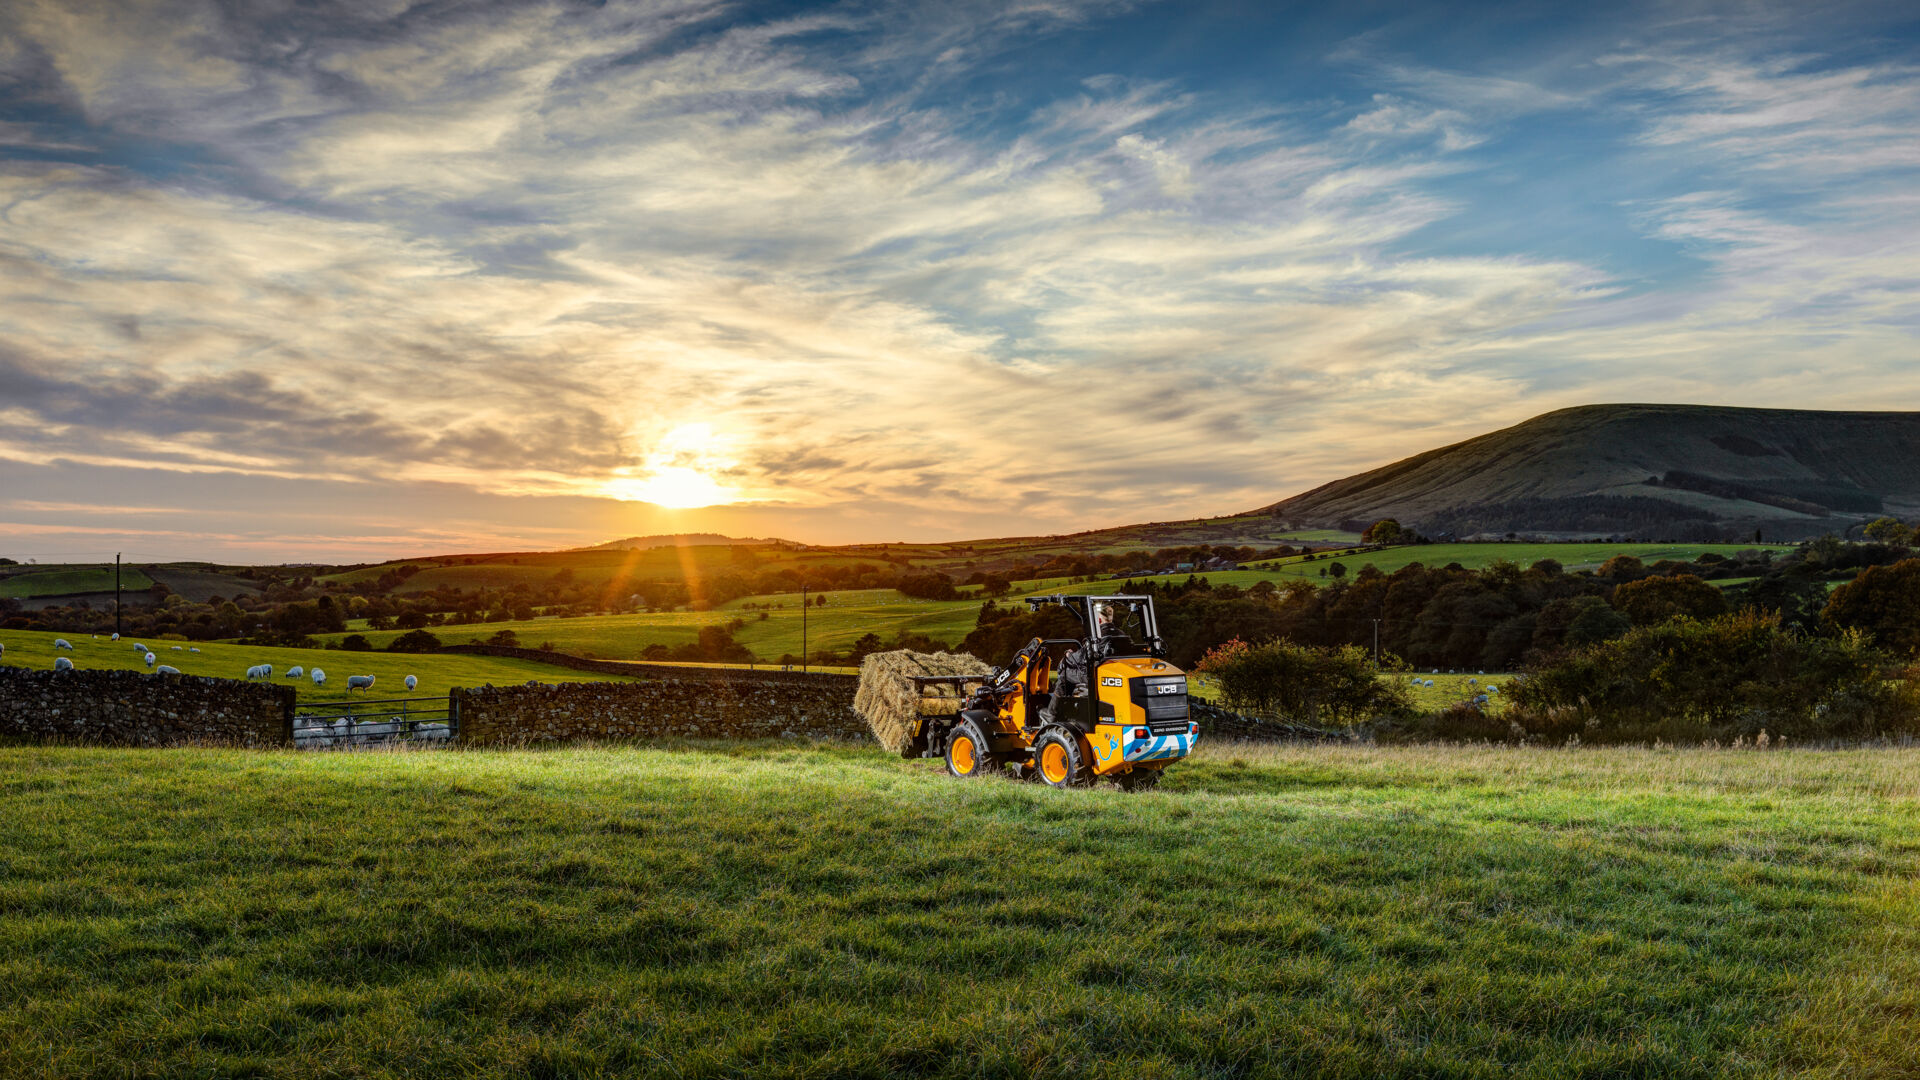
pixel 363 723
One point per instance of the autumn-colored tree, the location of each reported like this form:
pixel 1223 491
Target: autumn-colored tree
pixel 1883 601
pixel 1888 530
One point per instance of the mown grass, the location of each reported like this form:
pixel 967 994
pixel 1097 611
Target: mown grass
pixel 810 911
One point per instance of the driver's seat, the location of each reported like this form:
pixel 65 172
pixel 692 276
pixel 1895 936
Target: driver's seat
pixel 1039 679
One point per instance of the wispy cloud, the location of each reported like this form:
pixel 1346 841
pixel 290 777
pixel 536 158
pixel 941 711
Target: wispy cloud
pixel 511 250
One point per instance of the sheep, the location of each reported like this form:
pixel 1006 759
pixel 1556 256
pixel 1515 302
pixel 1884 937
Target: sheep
pixel 63 643
pixel 295 672
pixel 137 647
pixel 359 682
pixel 195 648
pixel 61 663
pixel 433 731
pixel 260 671
pixel 176 648
pixel 166 669
pixel 412 682
pixel 319 677
pixel 149 658
pixel 116 635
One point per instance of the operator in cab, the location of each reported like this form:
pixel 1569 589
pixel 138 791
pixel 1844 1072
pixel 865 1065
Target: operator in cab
pixel 1073 678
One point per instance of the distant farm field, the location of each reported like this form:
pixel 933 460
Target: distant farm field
pixel 437 673
pixel 65 582
pixel 851 614
pixel 809 911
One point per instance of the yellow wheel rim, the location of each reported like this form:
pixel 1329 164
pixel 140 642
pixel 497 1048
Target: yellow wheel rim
pixel 1053 763
pixel 964 758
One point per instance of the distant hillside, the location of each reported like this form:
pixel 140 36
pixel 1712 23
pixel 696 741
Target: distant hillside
pixel 1690 472
pixel 647 543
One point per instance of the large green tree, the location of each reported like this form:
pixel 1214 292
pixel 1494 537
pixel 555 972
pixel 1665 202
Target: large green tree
pixel 1654 600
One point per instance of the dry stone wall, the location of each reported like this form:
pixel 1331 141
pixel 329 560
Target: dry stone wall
pixel 135 708
pixel 711 707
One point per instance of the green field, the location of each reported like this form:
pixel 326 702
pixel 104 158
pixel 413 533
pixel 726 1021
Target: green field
pixel 69 581
pixel 437 672
pixel 801 910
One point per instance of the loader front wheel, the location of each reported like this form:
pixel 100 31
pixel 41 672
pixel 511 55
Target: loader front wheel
pixel 967 754
pixel 1057 755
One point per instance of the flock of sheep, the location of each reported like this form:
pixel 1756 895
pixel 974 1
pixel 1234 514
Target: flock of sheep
pixel 257 671
pixel 310 732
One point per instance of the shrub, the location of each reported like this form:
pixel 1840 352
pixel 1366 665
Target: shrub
pixel 415 641
pixel 1722 678
pixel 356 643
pixel 1302 683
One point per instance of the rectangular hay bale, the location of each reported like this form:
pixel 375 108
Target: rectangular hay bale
pixel 892 703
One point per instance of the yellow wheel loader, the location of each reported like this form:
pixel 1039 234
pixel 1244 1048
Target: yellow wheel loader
pixel 1067 711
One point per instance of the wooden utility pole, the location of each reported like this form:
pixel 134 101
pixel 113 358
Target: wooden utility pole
pixel 803 627
pixel 116 592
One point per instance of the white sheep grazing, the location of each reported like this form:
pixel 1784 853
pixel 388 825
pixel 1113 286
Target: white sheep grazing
pixel 195 648
pixel 359 682
pixel 260 671
pixel 137 647
pixel 116 635
pixel 149 658
pixel 63 643
pixel 61 663
pixel 166 669
pixel 176 648
pixel 412 682
pixel 319 677
pixel 432 731
pixel 295 671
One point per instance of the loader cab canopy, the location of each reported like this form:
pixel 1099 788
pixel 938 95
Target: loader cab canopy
pixel 1112 625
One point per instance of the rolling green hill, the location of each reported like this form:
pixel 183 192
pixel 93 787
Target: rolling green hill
pixel 1666 469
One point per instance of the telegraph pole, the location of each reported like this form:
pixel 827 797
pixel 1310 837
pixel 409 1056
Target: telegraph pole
pixel 116 592
pixel 1376 644
pixel 803 626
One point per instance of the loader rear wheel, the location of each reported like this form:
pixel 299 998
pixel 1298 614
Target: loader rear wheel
pixel 1057 755
pixel 967 752
pixel 1138 779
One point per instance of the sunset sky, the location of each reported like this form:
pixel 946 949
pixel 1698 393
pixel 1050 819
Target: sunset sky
pixel 356 281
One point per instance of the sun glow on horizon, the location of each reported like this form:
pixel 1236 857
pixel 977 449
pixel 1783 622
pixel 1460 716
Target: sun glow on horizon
pixel 683 473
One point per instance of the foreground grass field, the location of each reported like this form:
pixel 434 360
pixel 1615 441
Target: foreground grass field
pixel 811 911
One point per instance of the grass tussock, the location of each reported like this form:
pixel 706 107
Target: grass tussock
pixel 817 910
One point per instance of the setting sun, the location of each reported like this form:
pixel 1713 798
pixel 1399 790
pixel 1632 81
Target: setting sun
pixel 682 473
pixel 675 487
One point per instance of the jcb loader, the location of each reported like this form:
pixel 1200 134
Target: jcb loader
pixel 1069 710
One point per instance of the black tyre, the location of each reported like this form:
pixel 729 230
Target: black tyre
pixel 968 754
pixel 1058 760
pixel 1138 779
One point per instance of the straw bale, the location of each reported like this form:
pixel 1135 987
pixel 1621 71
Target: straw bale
pixel 893 705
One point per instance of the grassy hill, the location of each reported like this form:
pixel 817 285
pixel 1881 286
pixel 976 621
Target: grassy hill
pixel 1667 469
pixel 804 911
